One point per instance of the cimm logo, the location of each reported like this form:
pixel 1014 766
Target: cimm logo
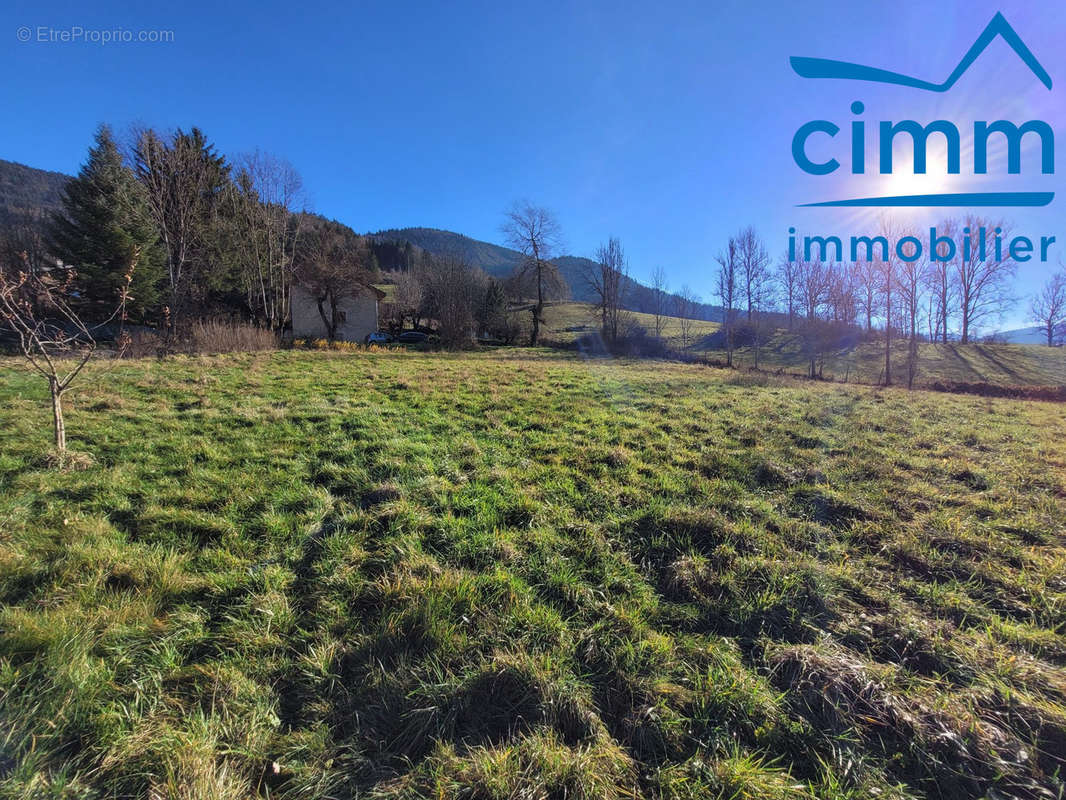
pixel 822 68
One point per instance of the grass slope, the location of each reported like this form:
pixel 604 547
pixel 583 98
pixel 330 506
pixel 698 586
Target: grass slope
pixel 566 322
pixel 999 364
pixel 518 574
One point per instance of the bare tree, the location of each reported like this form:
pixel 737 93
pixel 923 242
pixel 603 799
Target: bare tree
pixel 659 288
pixel 728 294
pixel 939 281
pixel 407 297
pixel 607 278
pixel 756 284
pixel 813 281
pixel 53 337
pixel 451 290
pixel 912 278
pixel 268 191
pixel 788 280
pixel 1048 307
pixel 982 285
pixel 535 233
pixel 754 263
pixel 183 177
pixel 330 264
pixel 685 303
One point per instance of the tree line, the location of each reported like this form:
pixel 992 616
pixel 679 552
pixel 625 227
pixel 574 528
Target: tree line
pixel 213 234
pixel 891 294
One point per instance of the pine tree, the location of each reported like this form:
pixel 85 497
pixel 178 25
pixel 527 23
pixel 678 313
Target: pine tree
pixel 103 221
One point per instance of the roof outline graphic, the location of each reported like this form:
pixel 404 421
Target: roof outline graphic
pixel 846 70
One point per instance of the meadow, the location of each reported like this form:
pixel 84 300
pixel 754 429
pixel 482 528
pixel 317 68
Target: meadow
pixel 522 574
pixel 857 362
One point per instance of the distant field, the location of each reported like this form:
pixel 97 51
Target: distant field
pixel 566 322
pixel 1000 364
pixel 519 574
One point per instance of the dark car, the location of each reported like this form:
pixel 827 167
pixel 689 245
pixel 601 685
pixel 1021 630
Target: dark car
pixel 412 337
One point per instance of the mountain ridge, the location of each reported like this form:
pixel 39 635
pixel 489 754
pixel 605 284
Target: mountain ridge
pixel 499 262
pixel 26 191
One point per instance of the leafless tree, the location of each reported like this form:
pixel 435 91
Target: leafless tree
pixel 1048 307
pixel 887 265
pixel 451 290
pixel 754 267
pixel 843 296
pixel 685 302
pixel 535 233
pixel 607 278
pixel 813 283
pixel 788 280
pixel 911 279
pixel 53 337
pixel 982 285
pixel 728 293
pixel 941 285
pixel 329 265
pixel 182 176
pixel 407 297
pixel 659 288
pixel 866 278
pixel 268 190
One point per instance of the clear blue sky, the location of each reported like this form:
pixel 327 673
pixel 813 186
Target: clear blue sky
pixel 668 125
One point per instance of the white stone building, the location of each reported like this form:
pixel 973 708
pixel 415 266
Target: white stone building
pixel 357 309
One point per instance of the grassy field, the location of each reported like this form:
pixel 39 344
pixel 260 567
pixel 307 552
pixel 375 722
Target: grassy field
pixel 523 575
pixel 999 364
pixel 566 322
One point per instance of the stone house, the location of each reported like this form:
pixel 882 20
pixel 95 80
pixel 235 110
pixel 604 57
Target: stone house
pixel 357 310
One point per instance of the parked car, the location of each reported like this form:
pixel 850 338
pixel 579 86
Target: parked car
pixel 378 337
pixel 412 337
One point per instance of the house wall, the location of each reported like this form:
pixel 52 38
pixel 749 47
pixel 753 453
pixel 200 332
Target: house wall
pixel 360 316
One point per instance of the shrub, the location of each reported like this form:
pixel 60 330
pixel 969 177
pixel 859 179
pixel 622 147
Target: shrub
pixel 203 336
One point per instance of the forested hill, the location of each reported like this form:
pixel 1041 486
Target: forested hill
pixel 500 262
pixel 28 191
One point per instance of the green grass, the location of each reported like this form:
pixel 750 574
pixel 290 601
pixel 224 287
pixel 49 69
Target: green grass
pixel 998 364
pixel 566 322
pixel 522 575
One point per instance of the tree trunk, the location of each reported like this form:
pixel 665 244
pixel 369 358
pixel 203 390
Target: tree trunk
pixel 57 415
pixel 538 310
pixel 536 326
pixel 888 353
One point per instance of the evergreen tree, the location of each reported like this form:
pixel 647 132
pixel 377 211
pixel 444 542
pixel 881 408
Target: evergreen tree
pixel 103 221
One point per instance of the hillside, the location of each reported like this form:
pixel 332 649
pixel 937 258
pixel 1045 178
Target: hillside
pixel 855 361
pixel 520 574
pixel 1034 335
pixel 28 191
pixel 500 262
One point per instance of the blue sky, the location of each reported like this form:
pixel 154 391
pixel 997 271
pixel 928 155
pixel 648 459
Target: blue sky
pixel 668 125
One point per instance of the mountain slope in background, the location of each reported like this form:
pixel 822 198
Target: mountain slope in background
pixel 1032 335
pixel 500 262
pixel 26 191
pixel 494 259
